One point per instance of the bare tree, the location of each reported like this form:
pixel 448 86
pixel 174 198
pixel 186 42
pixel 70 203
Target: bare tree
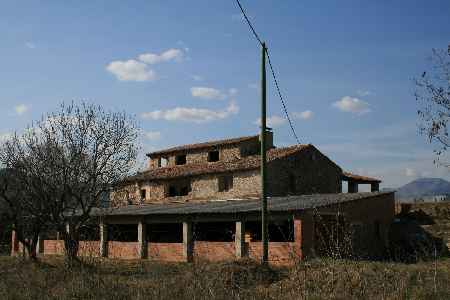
pixel 20 211
pixel 70 161
pixel 433 95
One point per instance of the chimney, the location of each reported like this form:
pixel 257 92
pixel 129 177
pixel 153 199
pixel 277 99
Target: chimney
pixel 269 139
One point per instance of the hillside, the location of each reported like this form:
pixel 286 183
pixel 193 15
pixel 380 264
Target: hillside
pixel 423 187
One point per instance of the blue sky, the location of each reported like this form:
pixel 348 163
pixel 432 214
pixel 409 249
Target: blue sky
pixel 190 72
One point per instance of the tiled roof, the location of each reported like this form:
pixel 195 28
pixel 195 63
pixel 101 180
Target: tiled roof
pixel 275 204
pixel 246 163
pixel 204 145
pixel 354 177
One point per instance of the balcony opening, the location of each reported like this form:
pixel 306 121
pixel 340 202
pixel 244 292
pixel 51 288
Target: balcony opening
pixel 225 183
pixel 143 193
pixel 180 159
pixel 179 188
pixel 213 156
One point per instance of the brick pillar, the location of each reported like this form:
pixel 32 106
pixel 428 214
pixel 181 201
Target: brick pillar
pixel 40 244
pixel 298 238
pixel 307 234
pixel 142 239
pixel 374 187
pixel 103 239
pixel 352 187
pixel 239 240
pixel 188 243
pixel 14 243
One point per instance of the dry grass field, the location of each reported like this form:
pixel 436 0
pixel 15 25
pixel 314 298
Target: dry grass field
pixel 319 279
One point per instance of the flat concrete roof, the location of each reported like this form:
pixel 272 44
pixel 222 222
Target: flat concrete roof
pixel 231 206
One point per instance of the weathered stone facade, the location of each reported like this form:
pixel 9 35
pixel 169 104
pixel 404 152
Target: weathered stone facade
pixel 292 171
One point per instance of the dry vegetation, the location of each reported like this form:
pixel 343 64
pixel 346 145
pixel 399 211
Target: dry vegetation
pixel 321 279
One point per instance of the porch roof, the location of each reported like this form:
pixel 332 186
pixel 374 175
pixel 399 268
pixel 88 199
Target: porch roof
pixel 232 206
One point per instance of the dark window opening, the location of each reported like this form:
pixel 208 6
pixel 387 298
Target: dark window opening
pixel 225 183
pixel 248 151
pixel 214 231
pixel 89 232
pixel 165 233
pixel 123 233
pixel 182 188
pixel 184 191
pixel 143 194
pixel 172 191
pixel 213 156
pixel 292 184
pixel 279 231
pixel 180 159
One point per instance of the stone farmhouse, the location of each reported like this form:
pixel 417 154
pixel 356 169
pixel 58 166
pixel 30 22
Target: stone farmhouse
pixel 201 201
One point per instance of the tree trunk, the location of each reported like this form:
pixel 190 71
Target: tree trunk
pixel 71 246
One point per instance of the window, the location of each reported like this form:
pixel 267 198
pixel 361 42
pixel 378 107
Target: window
pixel 172 191
pixel 143 193
pixel 225 183
pixel 213 156
pixel 163 162
pixel 249 150
pixel 179 188
pixel 180 159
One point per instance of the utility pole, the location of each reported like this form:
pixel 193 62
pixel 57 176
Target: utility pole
pixel 264 229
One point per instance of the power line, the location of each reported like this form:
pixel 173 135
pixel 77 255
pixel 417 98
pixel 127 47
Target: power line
pixel 271 69
pixel 249 23
pixel 281 97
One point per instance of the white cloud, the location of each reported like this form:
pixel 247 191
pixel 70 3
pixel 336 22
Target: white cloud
pixel 207 93
pixel 352 105
pixel 304 115
pixel 168 55
pixel 152 135
pixel 131 70
pixel 192 114
pixel 197 78
pixel 21 109
pixel 410 172
pixel 363 93
pixel 273 121
pixel 30 45
pixel 232 91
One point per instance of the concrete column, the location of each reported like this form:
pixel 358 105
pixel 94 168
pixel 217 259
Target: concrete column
pixel 14 243
pixel 142 239
pixel 40 244
pixel 374 186
pixel 103 239
pixel 352 187
pixel 188 243
pixel 239 240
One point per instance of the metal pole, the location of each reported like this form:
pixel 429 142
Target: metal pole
pixel 264 229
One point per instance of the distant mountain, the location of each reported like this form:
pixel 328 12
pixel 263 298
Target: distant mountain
pixel 423 187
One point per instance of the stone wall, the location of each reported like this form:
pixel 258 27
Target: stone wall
pixel 312 172
pixel 226 153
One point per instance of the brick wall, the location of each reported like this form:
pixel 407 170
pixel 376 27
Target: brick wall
pixel 214 251
pixel 279 252
pixel 123 250
pixel 170 252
